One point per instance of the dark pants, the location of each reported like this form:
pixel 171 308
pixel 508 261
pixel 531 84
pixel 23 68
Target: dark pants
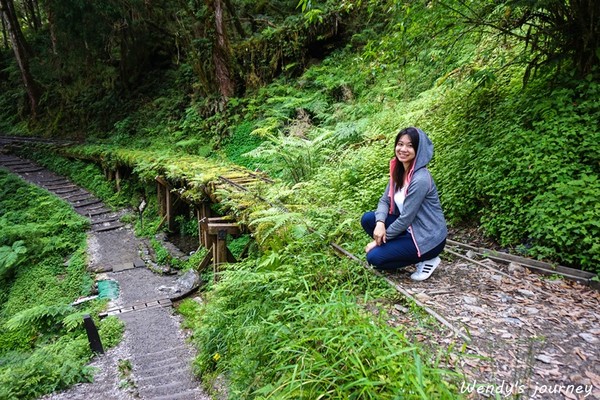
pixel 398 252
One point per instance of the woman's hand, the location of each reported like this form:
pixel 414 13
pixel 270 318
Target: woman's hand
pixel 379 233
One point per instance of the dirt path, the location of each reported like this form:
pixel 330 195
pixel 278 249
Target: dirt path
pixel 154 359
pixel 531 337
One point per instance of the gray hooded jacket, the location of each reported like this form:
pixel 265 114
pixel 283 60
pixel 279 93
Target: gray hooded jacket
pixel 422 211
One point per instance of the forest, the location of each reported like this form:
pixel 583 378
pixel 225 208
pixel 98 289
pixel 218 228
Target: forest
pixel 312 93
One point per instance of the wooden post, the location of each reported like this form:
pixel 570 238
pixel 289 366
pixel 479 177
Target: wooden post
pixel 160 197
pixel 166 201
pixel 169 213
pixel 92 334
pixel 218 231
pixel 118 179
pixel 203 217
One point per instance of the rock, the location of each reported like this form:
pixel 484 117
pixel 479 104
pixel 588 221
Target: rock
pixel 198 300
pixel 400 308
pixel 526 293
pixel 505 298
pixel 588 337
pixel 531 310
pixel 515 268
pixel 547 359
pixel 188 281
pixel 470 300
pixel 422 297
pixel 167 289
pixel 513 321
pixel 475 309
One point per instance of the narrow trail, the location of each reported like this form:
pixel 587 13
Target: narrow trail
pixel 153 362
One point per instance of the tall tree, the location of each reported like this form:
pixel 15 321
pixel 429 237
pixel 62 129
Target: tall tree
pixel 32 12
pixel 221 51
pixel 22 53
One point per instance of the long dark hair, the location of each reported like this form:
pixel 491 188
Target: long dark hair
pixel 398 172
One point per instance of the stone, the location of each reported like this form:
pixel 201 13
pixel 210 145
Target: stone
pixel 525 292
pixel 515 268
pixel 188 281
pixel 122 266
pixel 588 337
pixel 139 263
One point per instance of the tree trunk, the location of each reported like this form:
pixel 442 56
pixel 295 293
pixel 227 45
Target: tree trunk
pixel 586 34
pixel 53 39
pixel 4 32
pixel 7 11
pixel 32 12
pixel 221 56
pixel 236 21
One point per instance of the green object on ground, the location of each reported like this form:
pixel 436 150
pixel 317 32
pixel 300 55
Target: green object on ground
pixel 108 289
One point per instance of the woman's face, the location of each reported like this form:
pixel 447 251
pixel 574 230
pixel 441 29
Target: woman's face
pixel 405 152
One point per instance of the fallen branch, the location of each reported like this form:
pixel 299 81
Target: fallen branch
pixel 403 291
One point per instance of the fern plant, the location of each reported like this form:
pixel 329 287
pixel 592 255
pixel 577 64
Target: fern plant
pixel 10 256
pixel 277 229
pixel 294 158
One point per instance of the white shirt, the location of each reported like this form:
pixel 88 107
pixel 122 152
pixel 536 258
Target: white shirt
pixel 399 197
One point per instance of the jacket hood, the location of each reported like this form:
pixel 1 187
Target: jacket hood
pixel 424 152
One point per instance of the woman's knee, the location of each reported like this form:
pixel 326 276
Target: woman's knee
pixel 368 221
pixel 372 258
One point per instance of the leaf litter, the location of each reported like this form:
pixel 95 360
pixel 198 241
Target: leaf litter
pixel 531 337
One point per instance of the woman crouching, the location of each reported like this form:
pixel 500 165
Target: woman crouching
pixel 408 226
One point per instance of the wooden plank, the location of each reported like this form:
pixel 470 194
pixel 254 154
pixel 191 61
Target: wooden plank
pixel 111 219
pixel 59 186
pixel 230 228
pixel 108 228
pixel 64 190
pixel 211 220
pixel 535 264
pixel 97 211
pixel 87 203
pixel 78 198
pixel 169 211
pixel 28 170
pixel 205 261
pixel 162 181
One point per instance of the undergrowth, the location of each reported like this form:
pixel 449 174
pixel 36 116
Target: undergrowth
pixel 43 345
pixel 290 326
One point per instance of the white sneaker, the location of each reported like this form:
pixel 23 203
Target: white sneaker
pixel 425 269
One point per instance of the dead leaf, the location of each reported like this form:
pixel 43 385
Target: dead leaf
pixel 580 353
pixel 594 378
pixel 548 372
pixel 422 297
pixel 547 359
